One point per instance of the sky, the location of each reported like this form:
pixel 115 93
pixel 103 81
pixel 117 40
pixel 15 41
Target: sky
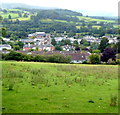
pixel 88 7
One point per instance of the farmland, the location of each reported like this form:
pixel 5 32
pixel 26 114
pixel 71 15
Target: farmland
pixel 31 87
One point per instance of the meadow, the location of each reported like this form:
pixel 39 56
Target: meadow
pixel 33 87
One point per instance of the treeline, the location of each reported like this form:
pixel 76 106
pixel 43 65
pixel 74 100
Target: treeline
pixel 69 22
pixel 58 14
pixel 55 58
pixel 21 29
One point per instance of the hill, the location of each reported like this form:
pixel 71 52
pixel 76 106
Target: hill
pixel 26 20
pixel 21 5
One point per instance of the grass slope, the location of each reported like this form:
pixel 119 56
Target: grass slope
pixel 31 87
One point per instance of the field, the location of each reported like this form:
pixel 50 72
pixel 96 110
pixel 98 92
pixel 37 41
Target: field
pixel 89 19
pixel 32 87
pixel 13 15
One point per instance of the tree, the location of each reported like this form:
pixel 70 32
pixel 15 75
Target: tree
pixel 20 44
pixel 1 18
pixel 4 11
pixel 103 44
pixel 84 42
pixel 4 33
pixel 108 53
pixel 17 21
pixel 94 59
pixel 25 15
pixel 75 42
pixel 53 42
pixel 58 48
pixel 14 56
pixel 77 48
pixel 16 47
pixel 9 17
pixel 20 14
pixel 66 42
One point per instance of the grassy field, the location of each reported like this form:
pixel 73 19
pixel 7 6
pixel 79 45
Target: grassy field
pixel 13 15
pixel 88 19
pixel 78 27
pixel 32 87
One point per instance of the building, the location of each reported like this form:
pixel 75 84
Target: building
pixel 39 35
pixel 6 39
pixel 68 48
pixel 27 40
pixel 47 47
pixel 5 46
pixel 76 57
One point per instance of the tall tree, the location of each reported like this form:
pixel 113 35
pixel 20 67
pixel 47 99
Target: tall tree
pixel 108 53
pixel 103 44
pixel 4 33
pixel 94 59
pixel 53 42
pixel 9 16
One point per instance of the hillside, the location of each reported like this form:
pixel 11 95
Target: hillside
pixel 28 20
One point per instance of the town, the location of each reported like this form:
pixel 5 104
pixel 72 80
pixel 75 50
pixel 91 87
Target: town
pixel 43 44
pixel 61 56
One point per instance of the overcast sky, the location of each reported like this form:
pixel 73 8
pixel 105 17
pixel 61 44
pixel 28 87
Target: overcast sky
pixel 89 6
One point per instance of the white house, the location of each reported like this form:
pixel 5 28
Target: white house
pixel 5 46
pixel 6 39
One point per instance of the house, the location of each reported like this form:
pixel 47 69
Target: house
pixel 68 48
pixel 59 39
pixel 6 39
pixel 76 57
pixel 92 39
pixel 39 35
pixel 79 57
pixel 47 47
pixel 27 40
pixel 72 39
pixel 5 46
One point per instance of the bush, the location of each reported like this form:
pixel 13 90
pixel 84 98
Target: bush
pixel 94 59
pixel 118 61
pixel 59 59
pixel 110 61
pixel 14 56
pixel 38 58
pixel 85 62
pixel 96 51
pixel 113 100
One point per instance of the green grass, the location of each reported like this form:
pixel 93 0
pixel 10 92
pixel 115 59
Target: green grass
pixel 22 19
pixel 46 20
pixel 88 19
pixel 96 27
pixel 115 26
pixel 61 21
pixel 32 87
pixel 13 15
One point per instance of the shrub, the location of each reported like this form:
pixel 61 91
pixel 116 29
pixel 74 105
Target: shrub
pixel 94 59
pixel 59 59
pixel 85 62
pixel 14 56
pixel 110 61
pixel 113 100
pixel 118 61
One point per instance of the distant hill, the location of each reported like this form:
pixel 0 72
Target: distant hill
pixel 21 5
pixel 22 21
